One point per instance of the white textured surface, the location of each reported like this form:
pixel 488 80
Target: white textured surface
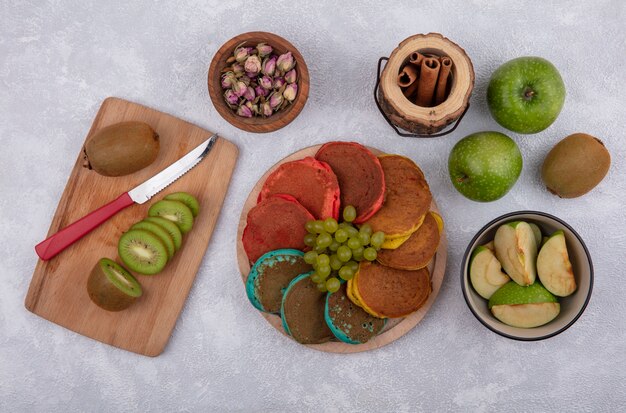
pixel 60 59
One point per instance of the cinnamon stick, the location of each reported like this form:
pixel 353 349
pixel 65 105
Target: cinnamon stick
pixel 407 76
pixel 442 81
pixel 416 58
pixel 429 72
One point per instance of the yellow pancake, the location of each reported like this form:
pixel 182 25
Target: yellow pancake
pixel 355 292
pixel 391 243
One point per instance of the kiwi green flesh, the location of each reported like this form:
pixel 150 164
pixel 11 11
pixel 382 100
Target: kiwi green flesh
pixel 159 232
pixel 111 287
pixel 187 199
pixel 175 211
pixel 142 251
pixel 171 229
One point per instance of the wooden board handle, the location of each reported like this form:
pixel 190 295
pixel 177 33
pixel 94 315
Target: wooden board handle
pixel 75 231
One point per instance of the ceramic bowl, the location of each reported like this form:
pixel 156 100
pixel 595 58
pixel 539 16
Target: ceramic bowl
pixel 257 124
pixel 572 306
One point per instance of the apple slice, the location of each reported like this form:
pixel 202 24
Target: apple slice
pixel 524 307
pixel 554 267
pixel 486 272
pixel 536 233
pixel 490 246
pixel 516 249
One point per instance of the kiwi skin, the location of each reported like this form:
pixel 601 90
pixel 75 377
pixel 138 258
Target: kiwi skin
pixel 104 293
pixel 575 165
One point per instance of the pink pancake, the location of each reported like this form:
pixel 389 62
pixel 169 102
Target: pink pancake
pixel 276 222
pixel 311 182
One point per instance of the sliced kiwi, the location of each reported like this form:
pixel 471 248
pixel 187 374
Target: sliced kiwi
pixel 187 199
pixel 160 232
pixel 175 211
pixel 142 251
pixel 111 287
pixel 171 229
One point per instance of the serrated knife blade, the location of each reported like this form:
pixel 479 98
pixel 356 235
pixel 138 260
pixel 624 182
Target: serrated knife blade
pixel 59 241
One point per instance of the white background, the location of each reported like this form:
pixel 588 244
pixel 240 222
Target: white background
pixel 60 59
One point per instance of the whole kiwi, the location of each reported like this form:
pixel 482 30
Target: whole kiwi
pixel 575 165
pixel 121 148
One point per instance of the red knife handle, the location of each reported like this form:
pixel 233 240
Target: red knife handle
pixel 73 232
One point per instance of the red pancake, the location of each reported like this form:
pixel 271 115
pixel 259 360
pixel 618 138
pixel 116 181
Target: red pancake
pixel 274 223
pixel 360 176
pixel 311 182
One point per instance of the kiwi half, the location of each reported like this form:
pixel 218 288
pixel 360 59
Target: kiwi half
pixel 142 251
pixel 159 232
pixel 111 287
pixel 187 199
pixel 171 229
pixel 175 211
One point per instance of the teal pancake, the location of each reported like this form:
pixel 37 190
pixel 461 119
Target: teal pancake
pixel 302 312
pixel 349 322
pixel 270 275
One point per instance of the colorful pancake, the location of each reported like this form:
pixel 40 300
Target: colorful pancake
pixel 276 222
pixel 360 176
pixel 407 198
pixel 389 292
pixel 348 322
pixel 313 183
pixel 417 251
pixel 302 312
pixel 270 275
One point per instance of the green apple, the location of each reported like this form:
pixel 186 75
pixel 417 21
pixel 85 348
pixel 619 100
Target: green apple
pixel 524 307
pixel 516 249
pixel 486 272
pixel 526 94
pixel 484 166
pixel 536 233
pixel 554 268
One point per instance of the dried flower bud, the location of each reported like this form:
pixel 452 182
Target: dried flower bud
pixel 254 108
pixel 290 76
pixel 285 62
pixel 276 100
pixel 278 82
pixel 227 80
pixel 242 53
pixel 237 68
pixel 265 82
pixel 290 92
pixel 239 88
pixel 249 94
pixel 266 109
pixel 245 79
pixel 264 49
pixel 244 111
pixel 269 66
pixel 261 91
pixel 231 97
pixel 252 65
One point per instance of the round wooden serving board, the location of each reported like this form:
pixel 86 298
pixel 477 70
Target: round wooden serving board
pixel 396 327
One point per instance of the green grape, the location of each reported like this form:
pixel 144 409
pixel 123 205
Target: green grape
pixel 354 243
pixel 323 271
pixel 309 240
pixel 366 229
pixel 332 284
pixel 319 250
pixel 324 240
pixel 357 254
pixel 370 254
pixel 310 227
pixel 353 265
pixel 364 238
pixel 352 232
pixel 310 257
pixel 322 287
pixel 335 262
pixel 323 259
pixel 334 246
pixel 330 225
pixel 344 225
pixel 377 239
pixel 316 278
pixel 349 213
pixel 318 226
pixel 346 272
pixel 341 235
pixel 344 253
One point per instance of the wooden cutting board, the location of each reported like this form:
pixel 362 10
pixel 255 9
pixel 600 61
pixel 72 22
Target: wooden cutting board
pixel 58 289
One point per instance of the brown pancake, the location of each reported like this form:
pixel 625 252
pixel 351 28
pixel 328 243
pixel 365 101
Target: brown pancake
pixel 417 251
pixel 302 312
pixel 390 292
pixel 407 198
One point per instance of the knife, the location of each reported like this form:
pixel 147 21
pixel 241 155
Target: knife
pixel 140 194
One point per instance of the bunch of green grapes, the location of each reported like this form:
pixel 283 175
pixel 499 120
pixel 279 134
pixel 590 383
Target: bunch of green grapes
pixel 337 249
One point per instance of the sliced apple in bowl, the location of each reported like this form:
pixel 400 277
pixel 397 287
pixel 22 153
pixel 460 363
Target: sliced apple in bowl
pixel 516 249
pixel 486 272
pixel 524 307
pixel 554 267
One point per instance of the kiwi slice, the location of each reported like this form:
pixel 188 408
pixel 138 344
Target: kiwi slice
pixel 111 287
pixel 142 251
pixel 160 232
pixel 171 229
pixel 187 199
pixel 175 211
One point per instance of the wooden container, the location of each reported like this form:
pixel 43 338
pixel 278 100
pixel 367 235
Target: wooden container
pixel 257 124
pixel 404 114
